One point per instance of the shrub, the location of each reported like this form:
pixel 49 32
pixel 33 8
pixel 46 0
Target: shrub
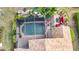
pixel 1 33
pixel 72 34
pixel 14 26
pixel 76 17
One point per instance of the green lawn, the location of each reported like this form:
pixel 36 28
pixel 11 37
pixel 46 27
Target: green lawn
pixel 72 34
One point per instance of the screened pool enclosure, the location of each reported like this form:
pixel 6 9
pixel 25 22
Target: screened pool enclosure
pixel 31 27
pixel 36 27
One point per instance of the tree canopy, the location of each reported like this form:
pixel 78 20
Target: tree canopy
pixel 45 11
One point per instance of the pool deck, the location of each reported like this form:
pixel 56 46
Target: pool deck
pixel 51 44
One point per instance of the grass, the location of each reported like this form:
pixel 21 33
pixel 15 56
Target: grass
pixel 1 33
pixel 76 17
pixel 72 34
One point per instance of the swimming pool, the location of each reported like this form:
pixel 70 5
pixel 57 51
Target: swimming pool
pixel 33 29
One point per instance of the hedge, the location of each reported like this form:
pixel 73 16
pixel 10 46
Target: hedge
pixel 76 17
pixel 72 34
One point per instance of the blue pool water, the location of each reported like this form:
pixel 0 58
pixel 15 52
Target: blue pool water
pixel 33 29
